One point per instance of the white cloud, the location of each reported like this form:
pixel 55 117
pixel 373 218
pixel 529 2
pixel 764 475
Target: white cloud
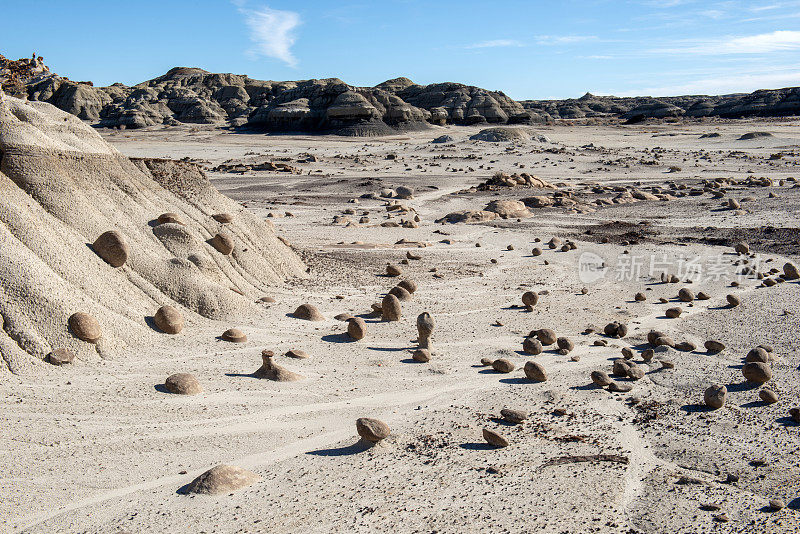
pixel 495 43
pixel 735 83
pixel 564 39
pixel 271 31
pixel 749 44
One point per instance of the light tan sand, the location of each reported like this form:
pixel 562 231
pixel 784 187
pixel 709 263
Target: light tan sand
pixel 100 448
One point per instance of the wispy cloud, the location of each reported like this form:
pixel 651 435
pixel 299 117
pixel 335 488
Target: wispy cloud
pixel 564 39
pixel 496 43
pixel 271 31
pixel 749 44
pixel 733 83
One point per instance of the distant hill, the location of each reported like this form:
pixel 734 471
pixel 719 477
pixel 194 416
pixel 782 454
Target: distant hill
pixel 192 95
pixel 761 103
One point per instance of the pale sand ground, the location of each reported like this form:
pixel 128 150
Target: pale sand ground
pixel 101 449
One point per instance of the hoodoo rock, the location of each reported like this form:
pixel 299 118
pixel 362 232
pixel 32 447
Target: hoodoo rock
pixel 546 336
pixel 600 378
pixel 272 371
pixel 529 299
pixel 425 326
pixel 790 271
pixel 502 365
pixel 408 285
pixel 401 293
pixel 531 345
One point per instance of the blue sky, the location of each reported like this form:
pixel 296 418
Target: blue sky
pixel 533 49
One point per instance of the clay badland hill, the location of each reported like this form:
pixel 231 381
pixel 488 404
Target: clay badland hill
pixel 192 95
pixel 63 188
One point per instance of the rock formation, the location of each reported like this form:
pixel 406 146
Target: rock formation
pixel 61 187
pixel 195 96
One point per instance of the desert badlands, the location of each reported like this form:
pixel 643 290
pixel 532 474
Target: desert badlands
pixel 414 309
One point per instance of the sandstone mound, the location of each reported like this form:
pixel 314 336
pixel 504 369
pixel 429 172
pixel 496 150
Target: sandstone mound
pixel 468 216
pixel 507 134
pixel 508 209
pixel 502 179
pixel 221 479
pixel 500 135
pixel 62 187
pixel 754 135
pixel 444 139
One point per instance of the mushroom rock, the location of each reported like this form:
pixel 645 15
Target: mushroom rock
pixel 272 371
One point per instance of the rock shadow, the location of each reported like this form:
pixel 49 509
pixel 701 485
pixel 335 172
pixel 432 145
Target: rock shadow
pixel 338 338
pixel 477 446
pixel 356 448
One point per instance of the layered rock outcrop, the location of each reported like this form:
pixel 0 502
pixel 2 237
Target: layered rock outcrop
pixel 195 96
